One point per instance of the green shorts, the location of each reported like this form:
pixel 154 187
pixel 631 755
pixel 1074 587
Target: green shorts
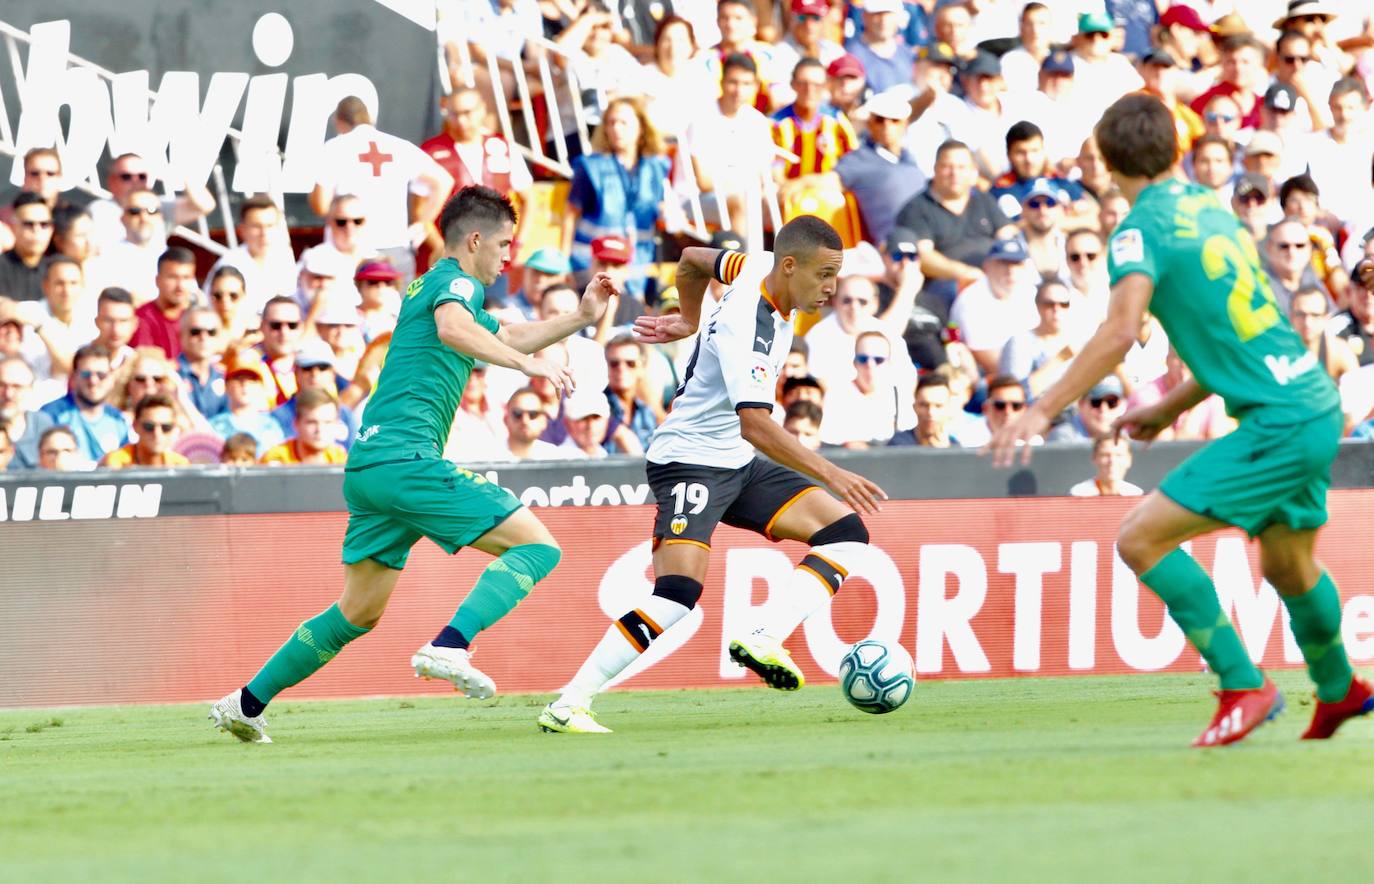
pixel 1262 474
pixel 393 504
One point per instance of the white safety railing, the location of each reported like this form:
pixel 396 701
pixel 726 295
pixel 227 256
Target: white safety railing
pixel 200 234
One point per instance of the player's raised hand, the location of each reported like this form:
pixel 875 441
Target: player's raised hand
pixel 1014 434
pixel 861 494
pixel 559 376
pixel 662 329
pixel 1144 424
pixel 597 297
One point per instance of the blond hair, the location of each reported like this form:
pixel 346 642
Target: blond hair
pixel 651 141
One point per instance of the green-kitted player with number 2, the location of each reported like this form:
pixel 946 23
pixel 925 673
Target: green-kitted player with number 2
pixel 1186 258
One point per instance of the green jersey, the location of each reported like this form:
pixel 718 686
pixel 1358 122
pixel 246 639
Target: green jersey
pixel 1214 301
pixel 411 410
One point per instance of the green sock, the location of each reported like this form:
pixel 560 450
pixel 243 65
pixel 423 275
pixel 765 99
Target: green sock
pixel 1316 618
pixel 314 643
pixel 1192 601
pixel 504 582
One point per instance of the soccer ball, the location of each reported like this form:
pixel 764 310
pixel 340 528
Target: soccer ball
pixel 877 676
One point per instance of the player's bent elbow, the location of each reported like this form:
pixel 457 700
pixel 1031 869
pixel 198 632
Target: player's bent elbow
pixel 753 421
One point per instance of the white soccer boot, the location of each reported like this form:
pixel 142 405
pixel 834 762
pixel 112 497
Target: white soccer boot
pixel 227 714
pixel 563 719
pixel 454 665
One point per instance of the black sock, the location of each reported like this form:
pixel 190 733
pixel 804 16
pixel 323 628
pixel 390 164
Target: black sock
pixel 450 638
pixel 251 705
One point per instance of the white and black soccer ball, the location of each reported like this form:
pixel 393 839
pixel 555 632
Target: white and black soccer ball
pixel 877 676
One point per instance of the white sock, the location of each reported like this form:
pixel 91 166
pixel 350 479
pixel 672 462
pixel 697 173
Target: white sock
pixel 818 576
pixel 627 638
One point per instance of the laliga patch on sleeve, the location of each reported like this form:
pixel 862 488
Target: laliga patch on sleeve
pixel 758 373
pixel 462 287
pixel 1128 247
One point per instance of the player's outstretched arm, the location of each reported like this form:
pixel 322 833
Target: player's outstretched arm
pixel 531 337
pixel 458 329
pixel 759 429
pixel 695 270
pixel 1103 353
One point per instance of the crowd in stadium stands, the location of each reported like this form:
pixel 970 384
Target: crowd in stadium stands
pixel 948 140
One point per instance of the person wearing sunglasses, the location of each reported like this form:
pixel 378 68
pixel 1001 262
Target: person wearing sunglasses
pixel 1038 356
pixel 1288 261
pixel 283 326
pixel 155 421
pixel 21 270
pixel 1093 414
pixel 25 427
pixel 1042 221
pixel 526 420
pixel 228 293
pixel 870 409
pixel 1254 204
pixel 99 427
pixel 202 342
pixel 43 176
pixel 129 172
pixel 1006 398
pixel 133 260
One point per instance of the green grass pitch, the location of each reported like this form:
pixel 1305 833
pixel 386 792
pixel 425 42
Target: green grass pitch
pixel 1086 779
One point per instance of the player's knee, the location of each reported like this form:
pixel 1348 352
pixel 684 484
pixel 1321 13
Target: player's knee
pixel 1288 575
pixel 536 560
pixel 1135 547
pixel 847 529
pixel 678 588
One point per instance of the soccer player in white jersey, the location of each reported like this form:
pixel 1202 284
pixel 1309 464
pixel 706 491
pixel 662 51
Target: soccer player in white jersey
pixel 704 465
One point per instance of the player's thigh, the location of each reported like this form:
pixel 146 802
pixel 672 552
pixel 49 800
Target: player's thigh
pixel 1155 527
pixel 1287 560
pixel 518 529
pixel 809 514
pixel 374 532
pixel 682 559
pixel 368 585
pixel 769 496
pixel 690 500
pixel 438 499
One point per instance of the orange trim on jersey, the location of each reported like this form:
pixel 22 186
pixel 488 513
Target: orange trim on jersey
pixel 838 570
pixel 645 617
pixel 814 573
pixel 668 540
pixel 763 290
pixel 629 637
pixel 731 267
pixel 768 529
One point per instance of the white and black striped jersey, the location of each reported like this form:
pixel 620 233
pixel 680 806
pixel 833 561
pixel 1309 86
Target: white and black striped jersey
pixel 739 355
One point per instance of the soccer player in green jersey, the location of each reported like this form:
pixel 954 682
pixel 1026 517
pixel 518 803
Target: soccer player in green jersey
pixel 397 484
pixel 1184 257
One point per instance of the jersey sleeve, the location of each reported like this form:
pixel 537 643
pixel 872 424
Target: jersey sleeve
pixel 742 345
pixel 729 265
pixel 466 291
pixel 1130 252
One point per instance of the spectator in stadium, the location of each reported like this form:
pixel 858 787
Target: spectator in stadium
pixel 133 260
pixel 1278 116
pixel 1112 456
pixel 526 421
pixel 739 26
pixel 1006 398
pixel 228 298
pixel 1021 66
pixel 282 329
pixel 1112 207
pixel 1030 165
pixel 1254 204
pixel 323 280
pixel 501 29
pixel 626 360
pixel 586 416
pixel 345 234
pixel 954 27
pixel 805 39
pixel 1187 38
pixel 546 268
pixel 1093 415
pixel 43 176
pixel 1300 199
pixel 317 416
pixel 1355 325
pixel 25 427
pixel 202 343
pixel 245 389
pixel 731 146
pixel 382 171
pixel 795 363
pixel 586 357
pixel 149 371
pixel 885 56
pixel 1221 117
pixel 1339 160
pixel 379 301
pixel 1101 74
pixel 1288 264
pixel 115 323
pixel 21 272
pixel 955 221
pixel 337 326
pixel 810 129
pixel 881 173
pixel 56 328
pixel 128 173
pixel 1243 78
pixel 830 342
pixel 1160 72
pixel 1310 18
pixel 159 320
pixel 1037 357
pixel 263 254
pixel 479 431
pixel 155 419
pixel 1092 169
pixel 801 389
pixel 1066 126
pixel 601 66
pixel 989 114
pixel 1310 316
pixel 870 408
pixel 71 236
pixel 848 87
pixel 618 189
pixel 99 427
pixel 1089 284
pixel 1214 166
pixel 1042 226
pixel 1298 73
pixel 998 306
pixel 58 451
pixel 934 407
pixel 6 446
pixel 673 81
pixel 803 420
pixel 314 370
pixel 240 450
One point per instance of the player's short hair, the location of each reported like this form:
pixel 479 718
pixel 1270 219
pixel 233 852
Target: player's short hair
pixel 804 235
pixel 1138 136
pixel 1346 85
pixel 738 61
pixel 114 295
pixel 1210 139
pixel 239 444
pixel 59 261
pixel 153 400
pixel 353 111
pixel 178 255
pixel 1025 130
pixel 28 198
pixel 1298 184
pixel 314 397
pixel 1237 42
pixel 474 208
pixel 932 380
pixel 807 62
pixel 951 144
pixel 256 203
pixel 803 409
pixel 1005 382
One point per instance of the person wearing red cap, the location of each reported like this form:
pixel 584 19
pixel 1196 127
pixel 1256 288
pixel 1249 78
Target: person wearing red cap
pixel 380 299
pixel 613 256
pixel 805 39
pixel 847 82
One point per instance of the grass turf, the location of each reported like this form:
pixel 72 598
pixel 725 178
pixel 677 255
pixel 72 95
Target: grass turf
pixel 1015 780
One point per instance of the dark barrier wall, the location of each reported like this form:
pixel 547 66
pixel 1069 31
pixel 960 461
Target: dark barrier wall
pixel 184 607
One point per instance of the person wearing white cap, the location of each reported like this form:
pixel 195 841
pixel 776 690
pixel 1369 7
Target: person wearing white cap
pixel 586 416
pixel 881 173
pixel 324 276
pixel 314 368
pixel 886 59
pixel 337 325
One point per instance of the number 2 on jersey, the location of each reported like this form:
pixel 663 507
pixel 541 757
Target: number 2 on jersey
pixel 1220 253
pixel 693 493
